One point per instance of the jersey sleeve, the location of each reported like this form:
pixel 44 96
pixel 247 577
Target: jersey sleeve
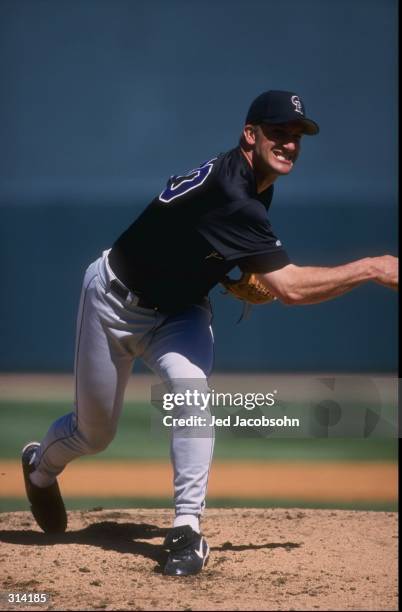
pixel 245 235
pixel 266 262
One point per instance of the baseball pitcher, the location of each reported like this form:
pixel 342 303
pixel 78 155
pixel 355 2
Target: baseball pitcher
pixel 147 297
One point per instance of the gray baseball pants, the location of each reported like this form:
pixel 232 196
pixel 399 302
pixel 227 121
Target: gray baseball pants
pixel 111 333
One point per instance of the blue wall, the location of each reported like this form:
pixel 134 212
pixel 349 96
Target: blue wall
pixel 103 100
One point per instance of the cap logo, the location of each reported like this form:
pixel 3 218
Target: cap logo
pixel 297 104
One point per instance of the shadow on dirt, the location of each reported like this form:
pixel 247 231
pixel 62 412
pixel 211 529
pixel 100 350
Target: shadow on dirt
pixel 239 547
pixel 125 538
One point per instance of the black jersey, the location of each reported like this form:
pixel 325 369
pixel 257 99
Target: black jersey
pixel 201 226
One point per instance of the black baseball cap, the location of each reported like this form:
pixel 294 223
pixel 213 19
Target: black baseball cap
pixel 276 106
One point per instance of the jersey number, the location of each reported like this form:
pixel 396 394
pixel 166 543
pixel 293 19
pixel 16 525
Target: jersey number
pixel 179 185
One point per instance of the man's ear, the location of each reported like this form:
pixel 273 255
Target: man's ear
pixel 249 134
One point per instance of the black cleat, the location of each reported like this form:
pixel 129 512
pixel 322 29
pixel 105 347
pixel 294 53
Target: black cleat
pixel 47 504
pixel 188 552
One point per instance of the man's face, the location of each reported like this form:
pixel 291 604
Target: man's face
pixel 277 147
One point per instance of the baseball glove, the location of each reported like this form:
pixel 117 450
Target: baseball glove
pixel 248 289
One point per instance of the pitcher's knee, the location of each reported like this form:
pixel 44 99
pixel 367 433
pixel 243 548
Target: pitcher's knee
pixel 189 387
pixel 188 397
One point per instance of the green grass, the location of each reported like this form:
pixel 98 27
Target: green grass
pixel 25 421
pixel 90 503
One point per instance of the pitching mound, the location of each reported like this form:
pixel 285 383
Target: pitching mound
pixel 260 560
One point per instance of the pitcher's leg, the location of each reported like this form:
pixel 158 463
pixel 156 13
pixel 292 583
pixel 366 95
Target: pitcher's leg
pixel 181 353
pixel 102 369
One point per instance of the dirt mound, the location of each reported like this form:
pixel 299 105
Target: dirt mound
pixel 260 560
